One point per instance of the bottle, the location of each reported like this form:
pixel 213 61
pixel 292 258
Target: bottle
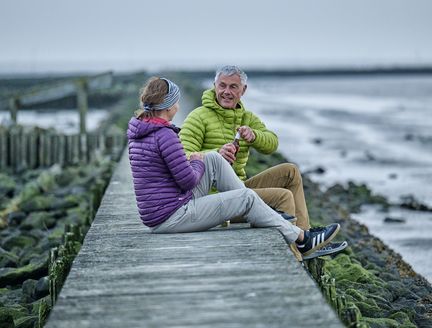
pixel 236 142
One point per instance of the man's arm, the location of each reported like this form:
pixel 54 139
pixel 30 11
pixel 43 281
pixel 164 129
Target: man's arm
pixel 266 141
pixel 192 133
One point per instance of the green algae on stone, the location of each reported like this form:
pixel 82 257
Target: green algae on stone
pixel 34 270
pixel 18 241
pixel 342 267
pixel 8 259
pixel 16 311
pixel 38 220
pixel 7 186
pixel 6 318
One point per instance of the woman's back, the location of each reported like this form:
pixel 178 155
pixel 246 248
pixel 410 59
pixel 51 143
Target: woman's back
pixel 163 177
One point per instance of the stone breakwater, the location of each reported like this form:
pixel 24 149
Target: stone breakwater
pixel 368 284
pixel 44 215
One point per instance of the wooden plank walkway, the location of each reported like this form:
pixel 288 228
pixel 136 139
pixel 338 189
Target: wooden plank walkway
pixel 226 277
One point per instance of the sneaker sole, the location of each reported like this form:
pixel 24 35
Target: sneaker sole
pixel 324 243
pixel 318 253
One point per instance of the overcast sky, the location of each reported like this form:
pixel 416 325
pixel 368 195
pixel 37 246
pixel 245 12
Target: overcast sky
pixel 60 35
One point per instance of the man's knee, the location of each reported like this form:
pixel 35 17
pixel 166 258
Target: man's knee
pixel 285 196
pixel 290 170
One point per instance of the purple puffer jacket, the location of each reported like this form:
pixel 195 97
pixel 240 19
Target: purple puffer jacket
pixel 163 177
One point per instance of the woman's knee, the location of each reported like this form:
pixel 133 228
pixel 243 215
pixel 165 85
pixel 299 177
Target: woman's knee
pixel 248 194
pixel 213 156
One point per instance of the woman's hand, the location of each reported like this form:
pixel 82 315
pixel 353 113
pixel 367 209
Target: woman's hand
pixel 196 156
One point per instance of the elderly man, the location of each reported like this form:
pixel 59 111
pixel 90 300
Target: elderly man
pixel 213 127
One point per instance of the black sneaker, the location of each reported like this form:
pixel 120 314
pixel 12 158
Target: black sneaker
pixel 329 249
pixel 315 238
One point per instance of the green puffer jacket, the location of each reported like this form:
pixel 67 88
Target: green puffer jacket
pixel 210 126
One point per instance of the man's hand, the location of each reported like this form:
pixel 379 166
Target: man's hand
pixel 196 156
pixel 246 133
pixel 228 152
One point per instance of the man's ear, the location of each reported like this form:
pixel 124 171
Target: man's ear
pixel 244 89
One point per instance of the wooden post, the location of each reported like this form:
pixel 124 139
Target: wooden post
pixel 14 147
pixel 83 148
pixel 81 89
pixel 13 108
pixel 4 152
pixel 75 149
pixel 24 149
pixel 33 148
pixel 62 150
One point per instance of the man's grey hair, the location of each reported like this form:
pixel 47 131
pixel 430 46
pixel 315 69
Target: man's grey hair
pixel 230 70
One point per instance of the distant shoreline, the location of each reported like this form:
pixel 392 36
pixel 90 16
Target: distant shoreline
pixel 324 72
pixel 255 72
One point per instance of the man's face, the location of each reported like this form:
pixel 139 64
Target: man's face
pixel 229 90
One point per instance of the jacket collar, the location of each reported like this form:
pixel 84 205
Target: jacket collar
pixel 209 101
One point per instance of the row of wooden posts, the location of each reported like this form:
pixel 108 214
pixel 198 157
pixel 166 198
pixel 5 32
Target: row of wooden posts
pixel 23 147
pixel 80 87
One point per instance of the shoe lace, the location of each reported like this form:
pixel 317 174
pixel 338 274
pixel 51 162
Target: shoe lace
pixel 317 229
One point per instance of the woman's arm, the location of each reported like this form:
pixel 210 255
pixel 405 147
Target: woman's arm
pixel 186 174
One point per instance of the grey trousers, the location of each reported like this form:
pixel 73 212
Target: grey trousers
pixel 206 211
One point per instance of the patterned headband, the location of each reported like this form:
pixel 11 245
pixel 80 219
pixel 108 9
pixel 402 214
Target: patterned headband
pixel 170 99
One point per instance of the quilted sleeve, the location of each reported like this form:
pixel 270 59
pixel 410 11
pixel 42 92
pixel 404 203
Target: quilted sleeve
pixel 186 174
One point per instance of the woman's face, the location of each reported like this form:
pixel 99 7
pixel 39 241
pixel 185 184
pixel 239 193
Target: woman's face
pixel 173 110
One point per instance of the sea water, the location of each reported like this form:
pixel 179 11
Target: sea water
pixel 371 129
pixel 62 120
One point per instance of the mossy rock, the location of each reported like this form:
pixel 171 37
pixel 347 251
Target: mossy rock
pixel 78 215
pixel 65 178
pixel 6 318
pixel 37 203
pixel 39 220
pixel 67 202
pixel 341 267
pixel 8 259
pixel 16 311
pixel 370 309
pixel 29 191
pixel 36 269
pixel 353 196
pixel 18 241
pixel 46 179
pixel 41 288
pixel 7 186
pixel 26 322
pixel 28 290
pixel 34 254
pixel 15 218
pixel 10 296
pixel 381 322
pixel 403 319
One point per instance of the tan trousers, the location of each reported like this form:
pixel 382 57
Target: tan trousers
pixel 281 187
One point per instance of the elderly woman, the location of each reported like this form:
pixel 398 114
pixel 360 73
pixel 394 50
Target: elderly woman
pixel 172 192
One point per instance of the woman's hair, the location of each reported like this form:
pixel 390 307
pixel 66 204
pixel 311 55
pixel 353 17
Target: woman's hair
pixel 153 93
